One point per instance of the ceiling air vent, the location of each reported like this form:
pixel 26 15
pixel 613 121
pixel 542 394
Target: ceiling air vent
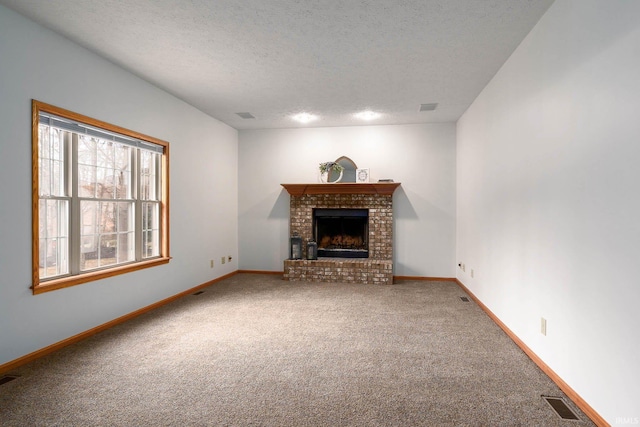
pixel 246 115
pixel 428 107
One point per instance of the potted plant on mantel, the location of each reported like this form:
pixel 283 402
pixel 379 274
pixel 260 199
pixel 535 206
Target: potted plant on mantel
pixel 325 171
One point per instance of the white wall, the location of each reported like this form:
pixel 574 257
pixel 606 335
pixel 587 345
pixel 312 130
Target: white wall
pixel 548 212
pixel 38 64
pixel 421 157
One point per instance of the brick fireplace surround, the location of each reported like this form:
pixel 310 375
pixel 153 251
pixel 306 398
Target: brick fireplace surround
pixel 377 198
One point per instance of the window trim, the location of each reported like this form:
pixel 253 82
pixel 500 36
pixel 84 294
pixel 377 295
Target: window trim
pixel 41 286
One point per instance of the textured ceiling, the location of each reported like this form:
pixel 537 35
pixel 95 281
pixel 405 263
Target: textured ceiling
pixel 275 58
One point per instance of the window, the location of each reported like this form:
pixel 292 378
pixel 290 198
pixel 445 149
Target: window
pixel 100 199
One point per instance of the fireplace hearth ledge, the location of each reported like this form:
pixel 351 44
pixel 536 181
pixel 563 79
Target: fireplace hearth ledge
pixel 339 270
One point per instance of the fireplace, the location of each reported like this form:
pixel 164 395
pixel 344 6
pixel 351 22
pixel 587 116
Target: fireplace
pixel 341 233
pixel 358 217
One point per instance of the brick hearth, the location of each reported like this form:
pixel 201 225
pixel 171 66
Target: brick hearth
pixel 347 270
pixel 378 268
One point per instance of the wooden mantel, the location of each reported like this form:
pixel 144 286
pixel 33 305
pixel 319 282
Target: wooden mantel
pixel 382 188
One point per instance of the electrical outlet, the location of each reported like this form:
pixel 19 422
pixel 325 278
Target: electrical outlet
pixel 472 272
pixel 211 263
pixel 463 268
pixel 543 326
pixel 223 260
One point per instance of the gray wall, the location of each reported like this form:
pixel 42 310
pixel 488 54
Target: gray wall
pixel 421 157
pixel 547 198
pixel 38 64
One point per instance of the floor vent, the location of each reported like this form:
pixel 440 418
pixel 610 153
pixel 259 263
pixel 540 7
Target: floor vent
pixel 7 378
pixel 558 404
pixel 199 292
pixel 465 299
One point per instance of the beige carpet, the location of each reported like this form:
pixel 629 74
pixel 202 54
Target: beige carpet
pixel 254 350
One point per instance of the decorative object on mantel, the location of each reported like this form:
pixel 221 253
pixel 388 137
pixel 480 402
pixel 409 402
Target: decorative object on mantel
pixel 296 246
pixel 385 180
pixel 349 169
pixel 326 170
pixel 362 175
pixel 312 250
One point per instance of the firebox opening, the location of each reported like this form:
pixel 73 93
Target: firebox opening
pixel 341 232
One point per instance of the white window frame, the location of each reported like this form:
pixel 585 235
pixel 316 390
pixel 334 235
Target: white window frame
pixel 73 274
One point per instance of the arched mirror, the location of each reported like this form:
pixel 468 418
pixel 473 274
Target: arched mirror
pixel 349 173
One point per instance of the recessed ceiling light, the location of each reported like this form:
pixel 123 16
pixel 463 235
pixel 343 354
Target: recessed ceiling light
pixel 304 117
pixel 367 115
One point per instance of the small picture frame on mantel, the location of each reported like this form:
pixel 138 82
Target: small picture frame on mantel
pixel 362 175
